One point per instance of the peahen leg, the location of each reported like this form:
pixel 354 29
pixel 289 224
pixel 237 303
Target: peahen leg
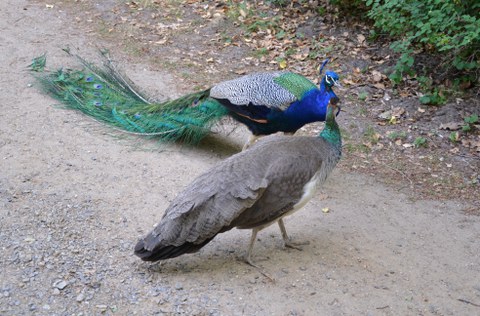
pixel 248 258
pixel 250 142
pixel 287 241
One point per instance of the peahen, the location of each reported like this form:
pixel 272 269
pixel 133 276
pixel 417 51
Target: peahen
pixel 250 190
pixel 266 102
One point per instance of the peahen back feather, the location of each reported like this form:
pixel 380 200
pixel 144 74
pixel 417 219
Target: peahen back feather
pixel 107 96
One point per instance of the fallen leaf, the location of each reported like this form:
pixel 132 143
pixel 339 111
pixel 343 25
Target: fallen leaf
pixel 360 38
pixel 398 111
pixel 377 76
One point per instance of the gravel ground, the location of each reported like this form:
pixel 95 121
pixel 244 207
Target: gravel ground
pixel 75 197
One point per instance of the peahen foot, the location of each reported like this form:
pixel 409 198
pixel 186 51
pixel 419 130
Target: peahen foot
pixel 248 257
pixel 287 241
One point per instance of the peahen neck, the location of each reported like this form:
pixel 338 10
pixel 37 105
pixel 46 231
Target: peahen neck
pixel 331 131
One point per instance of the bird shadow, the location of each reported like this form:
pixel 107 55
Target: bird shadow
pixel 221 261
pixel 220 145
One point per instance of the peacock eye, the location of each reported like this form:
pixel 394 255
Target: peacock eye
pixel 329 80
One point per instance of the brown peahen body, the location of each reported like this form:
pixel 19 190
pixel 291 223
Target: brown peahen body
pixel 249 190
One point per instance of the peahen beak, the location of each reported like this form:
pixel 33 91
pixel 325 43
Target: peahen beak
pixel 334 102
pixel 339 108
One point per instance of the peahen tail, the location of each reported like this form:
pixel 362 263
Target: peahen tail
pixel 107 96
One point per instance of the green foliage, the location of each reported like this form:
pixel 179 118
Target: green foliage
pixel 454 136
pixel 397 135
pixel 470 122
pixel 371 135
pixel 263 24
pixel 435 97
pixel 352 7
pixel 362 96
pixel 449 28
pixel 259 53
pixel 280 3
pixel 420 142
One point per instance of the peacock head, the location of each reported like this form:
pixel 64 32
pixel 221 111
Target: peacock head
pixel 330 79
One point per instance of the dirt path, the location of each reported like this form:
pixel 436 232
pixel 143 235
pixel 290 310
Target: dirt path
pixel 74 199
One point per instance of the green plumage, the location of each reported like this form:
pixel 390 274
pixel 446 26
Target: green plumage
pixel 105 95
pixel 331 132
pixel 295 84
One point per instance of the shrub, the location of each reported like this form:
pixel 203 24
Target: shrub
pixel 447 27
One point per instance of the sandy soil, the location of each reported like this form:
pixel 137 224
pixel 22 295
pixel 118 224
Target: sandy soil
pixel 75 196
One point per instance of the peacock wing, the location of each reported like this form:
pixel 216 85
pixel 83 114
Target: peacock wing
pixel 256 95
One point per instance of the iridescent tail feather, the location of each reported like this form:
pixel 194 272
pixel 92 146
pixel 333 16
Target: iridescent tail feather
pixel 106 95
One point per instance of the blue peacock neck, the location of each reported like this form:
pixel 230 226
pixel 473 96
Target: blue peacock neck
pixel 324 88
pixel 331 131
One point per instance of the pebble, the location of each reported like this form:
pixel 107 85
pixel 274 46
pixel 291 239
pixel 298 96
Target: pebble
pixel 56 291
pixel 102 307
pixel 80 297
pixel 178 286
pixel 60 284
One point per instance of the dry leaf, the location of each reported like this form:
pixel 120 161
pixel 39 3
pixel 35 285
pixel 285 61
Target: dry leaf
pixel 360 38
pixel 397 112
pixel 377 76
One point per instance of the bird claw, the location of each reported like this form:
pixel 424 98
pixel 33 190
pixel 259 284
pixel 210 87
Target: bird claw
pixel 260 269
pixel 296 245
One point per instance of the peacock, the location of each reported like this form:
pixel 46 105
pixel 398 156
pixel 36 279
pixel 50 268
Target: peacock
pixel 266 102
pixel 249 190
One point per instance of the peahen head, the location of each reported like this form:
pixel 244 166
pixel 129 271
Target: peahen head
pixel 331 130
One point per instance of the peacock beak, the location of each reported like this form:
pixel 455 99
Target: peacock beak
pixel 338 85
